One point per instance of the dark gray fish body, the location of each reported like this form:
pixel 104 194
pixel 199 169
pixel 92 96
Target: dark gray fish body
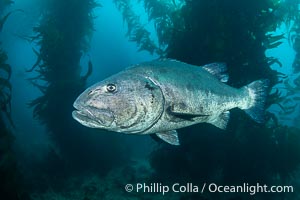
pixel 164 95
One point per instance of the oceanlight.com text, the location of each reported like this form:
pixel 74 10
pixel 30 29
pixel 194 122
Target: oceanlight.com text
pixel 251 189
pixel 206 187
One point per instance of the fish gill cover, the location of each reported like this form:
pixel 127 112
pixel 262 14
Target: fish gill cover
pixel 85 166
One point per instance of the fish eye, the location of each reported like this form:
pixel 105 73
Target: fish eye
pixel 111 87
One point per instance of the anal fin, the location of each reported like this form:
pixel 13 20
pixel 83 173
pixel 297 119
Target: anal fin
pixel 222 120
pixel 170 137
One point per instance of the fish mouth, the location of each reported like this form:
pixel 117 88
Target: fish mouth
pixel 98 118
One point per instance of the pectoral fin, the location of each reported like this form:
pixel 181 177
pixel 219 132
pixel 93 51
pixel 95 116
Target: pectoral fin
pixel 170 137
pixel 221 121
pixel 184 112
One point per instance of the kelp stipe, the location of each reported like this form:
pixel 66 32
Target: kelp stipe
pixel 10 183
pixel 62 37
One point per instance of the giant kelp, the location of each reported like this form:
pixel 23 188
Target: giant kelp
pixel 176 22
pixel 166 20
pixel 238 33
pixel 228 31
pixel 62 38
pixel 9 174
pixel 289 94
pixel 295 42
pixel 293 85
pixel 137 32
pixel 5 86
pixel 294 32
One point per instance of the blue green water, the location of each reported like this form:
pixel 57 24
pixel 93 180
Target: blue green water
pixel 48 155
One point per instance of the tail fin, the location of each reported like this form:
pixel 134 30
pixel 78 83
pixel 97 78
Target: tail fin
pixel 257 91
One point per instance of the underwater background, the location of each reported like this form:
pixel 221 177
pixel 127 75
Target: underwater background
pixel 52 50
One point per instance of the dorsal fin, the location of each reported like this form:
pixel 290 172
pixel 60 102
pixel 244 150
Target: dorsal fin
pixel 219 70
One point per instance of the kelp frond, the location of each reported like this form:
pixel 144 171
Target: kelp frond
pixel 294 40
pixel 286 98
pixel 162 13
pixel 61 37
pixel 291 17
pixel 167 18
pixel 89 72
pixel 5 87
pixel 5 17
pixel 136 31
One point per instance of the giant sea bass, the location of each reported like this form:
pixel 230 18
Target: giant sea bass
pixel 163 95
